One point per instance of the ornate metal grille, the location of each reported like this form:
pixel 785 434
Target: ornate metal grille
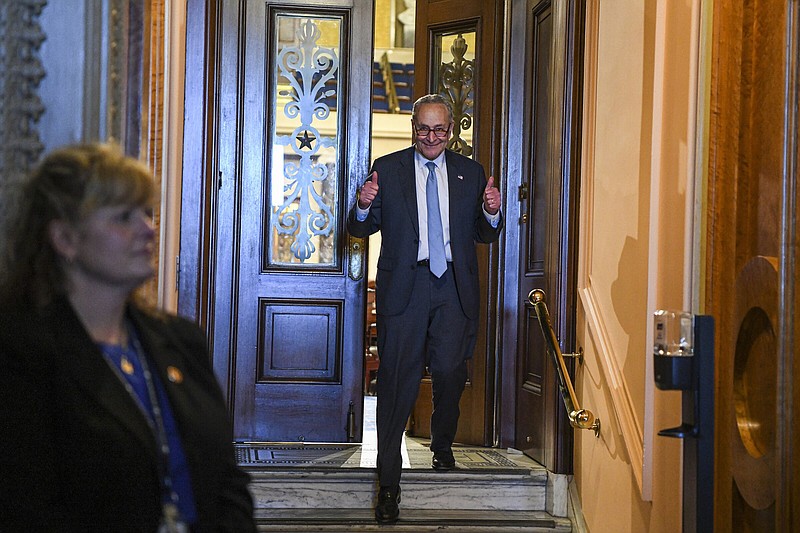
pixel 305 147
pixel 456 83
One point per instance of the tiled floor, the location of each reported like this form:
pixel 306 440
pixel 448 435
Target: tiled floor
pixel 416 454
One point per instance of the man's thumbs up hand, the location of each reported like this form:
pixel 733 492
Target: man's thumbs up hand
pixel 491 197
pixel 368 191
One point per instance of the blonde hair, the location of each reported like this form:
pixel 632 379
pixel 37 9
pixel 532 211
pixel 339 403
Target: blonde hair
pixel 69 184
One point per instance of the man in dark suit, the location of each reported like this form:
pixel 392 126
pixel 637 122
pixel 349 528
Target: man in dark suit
pixel 431 205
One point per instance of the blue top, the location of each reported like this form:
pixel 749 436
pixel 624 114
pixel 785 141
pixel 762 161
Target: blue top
pixel 127 361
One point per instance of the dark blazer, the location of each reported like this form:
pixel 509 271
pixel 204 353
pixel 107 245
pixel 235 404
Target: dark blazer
pixel 76 454
pixel 394 213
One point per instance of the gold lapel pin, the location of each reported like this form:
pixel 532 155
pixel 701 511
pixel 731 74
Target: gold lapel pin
pixel 174 375
pixel 126 366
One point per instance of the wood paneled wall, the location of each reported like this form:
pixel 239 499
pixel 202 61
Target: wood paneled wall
pixel 748 274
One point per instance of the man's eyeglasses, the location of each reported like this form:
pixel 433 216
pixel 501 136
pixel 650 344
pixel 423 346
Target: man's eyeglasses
pixel 423 131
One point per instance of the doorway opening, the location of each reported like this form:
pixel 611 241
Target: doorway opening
pixel 392 99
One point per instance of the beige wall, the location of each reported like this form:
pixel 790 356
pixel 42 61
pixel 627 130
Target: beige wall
pixel 637 188
pixel 385 13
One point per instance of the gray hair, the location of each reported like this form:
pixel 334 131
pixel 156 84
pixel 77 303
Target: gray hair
pixel 432 99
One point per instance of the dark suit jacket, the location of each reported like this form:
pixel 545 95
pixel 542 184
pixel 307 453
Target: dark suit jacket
pixel 76 454
pixel 394 213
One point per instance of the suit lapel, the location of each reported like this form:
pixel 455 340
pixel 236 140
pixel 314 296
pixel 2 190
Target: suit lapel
pixel 93 374
pixel 408 182
pixel 168 361
pixel 457 182
pixel 457 187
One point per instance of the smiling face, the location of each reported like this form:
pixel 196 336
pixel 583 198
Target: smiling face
pixel 112 247
pixel 432 120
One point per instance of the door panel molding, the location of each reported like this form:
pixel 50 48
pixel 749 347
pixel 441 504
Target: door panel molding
pixel 606 359
pixel 298 341
pixel 199 143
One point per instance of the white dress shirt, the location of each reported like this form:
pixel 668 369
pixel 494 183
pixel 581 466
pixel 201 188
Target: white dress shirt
pixel 421 178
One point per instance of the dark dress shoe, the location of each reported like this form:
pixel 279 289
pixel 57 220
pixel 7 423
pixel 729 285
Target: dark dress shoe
pixel 443 460
pixel 387 510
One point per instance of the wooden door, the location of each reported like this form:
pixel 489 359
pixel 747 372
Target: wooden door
pixel 542 237
pixel 458 53
pixel 287 140
pixel 750 269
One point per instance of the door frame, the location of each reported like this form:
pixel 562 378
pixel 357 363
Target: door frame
pixel 198 141
pixel 487 17
pixel 193 271
pixel 195 262
pixel 565 166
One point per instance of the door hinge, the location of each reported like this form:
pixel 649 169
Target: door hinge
pixel 351 423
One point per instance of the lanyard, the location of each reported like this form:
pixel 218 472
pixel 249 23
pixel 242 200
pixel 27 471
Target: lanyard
pixel 154 416
pixel 161 432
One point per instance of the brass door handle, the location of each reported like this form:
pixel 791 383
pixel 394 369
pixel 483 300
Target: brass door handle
pixel 356 247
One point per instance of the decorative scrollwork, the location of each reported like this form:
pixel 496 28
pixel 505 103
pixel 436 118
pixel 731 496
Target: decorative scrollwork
pixel 456 83
pixel 21 71
pixel 309 189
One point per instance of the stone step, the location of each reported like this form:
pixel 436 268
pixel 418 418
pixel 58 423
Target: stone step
pixel 411 521
pixel 311 488
pixel 333 488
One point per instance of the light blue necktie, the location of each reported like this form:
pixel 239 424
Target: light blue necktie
pixel 437 259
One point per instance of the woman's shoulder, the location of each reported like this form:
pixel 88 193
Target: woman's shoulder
pixel 170 328
pixel 19 314
pixel 163 330
pixel 24 336
pixel 157 318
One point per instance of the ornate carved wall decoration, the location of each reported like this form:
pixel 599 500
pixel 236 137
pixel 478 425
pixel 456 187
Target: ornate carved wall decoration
pixel 20 106
pixel 20 74
pixel 407 19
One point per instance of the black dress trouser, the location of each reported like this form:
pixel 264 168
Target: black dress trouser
pixel 431 332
